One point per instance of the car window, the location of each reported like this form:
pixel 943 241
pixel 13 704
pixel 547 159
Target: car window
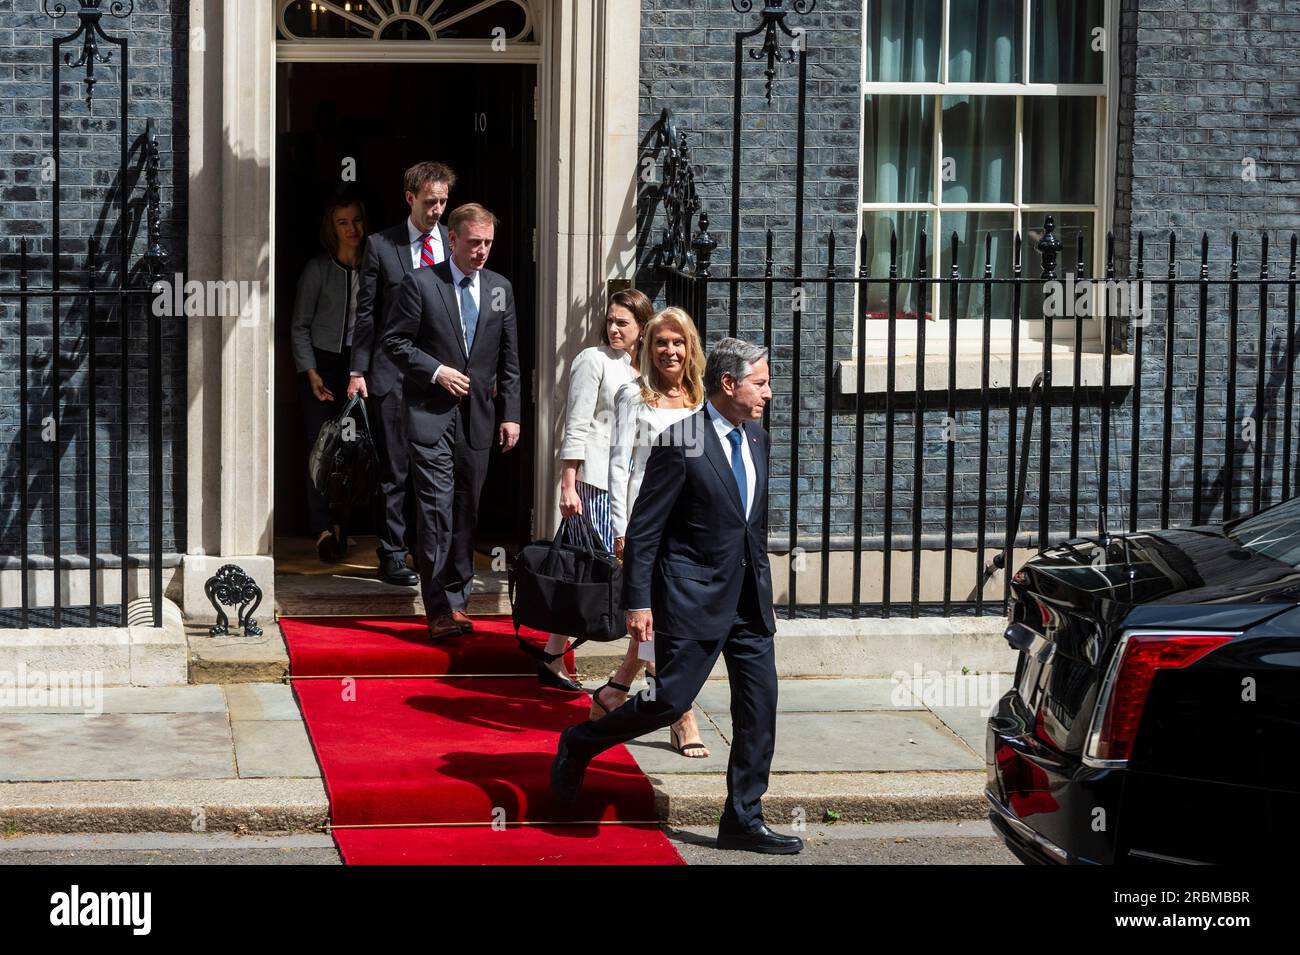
pixel 1274 532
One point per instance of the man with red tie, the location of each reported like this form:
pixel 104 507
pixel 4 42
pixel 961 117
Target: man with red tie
pixel 419 241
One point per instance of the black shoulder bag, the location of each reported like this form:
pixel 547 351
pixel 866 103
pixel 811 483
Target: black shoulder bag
pixel 573 587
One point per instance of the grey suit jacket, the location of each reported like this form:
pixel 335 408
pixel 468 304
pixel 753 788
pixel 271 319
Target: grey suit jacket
pixel 388 261
pixel 320 310
pixel 424 331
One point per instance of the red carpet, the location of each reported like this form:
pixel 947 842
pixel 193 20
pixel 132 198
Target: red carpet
pixel 452 763
pixel 400 646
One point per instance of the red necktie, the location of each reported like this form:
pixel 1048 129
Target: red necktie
pixel 426 251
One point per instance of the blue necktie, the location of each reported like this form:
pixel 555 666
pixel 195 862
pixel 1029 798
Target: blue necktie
pixel 738 465
pixel 468 312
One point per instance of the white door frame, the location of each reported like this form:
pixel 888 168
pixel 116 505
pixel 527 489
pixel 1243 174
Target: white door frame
pixel 587 53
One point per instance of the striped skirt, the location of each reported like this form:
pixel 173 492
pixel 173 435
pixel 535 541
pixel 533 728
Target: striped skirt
pixel 595 504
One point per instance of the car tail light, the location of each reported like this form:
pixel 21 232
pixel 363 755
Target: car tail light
pixel 1139 656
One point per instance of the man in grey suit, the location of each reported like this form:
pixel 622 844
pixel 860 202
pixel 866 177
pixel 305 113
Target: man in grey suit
pixel 452 333
pixel 419 241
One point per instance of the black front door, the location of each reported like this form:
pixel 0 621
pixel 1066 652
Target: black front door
pixel 359 126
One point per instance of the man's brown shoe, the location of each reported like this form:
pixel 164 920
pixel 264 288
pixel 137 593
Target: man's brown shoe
pixel 444 626
pixel 466 625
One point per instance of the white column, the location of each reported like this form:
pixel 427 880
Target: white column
pixel 231 218
pixel 588 175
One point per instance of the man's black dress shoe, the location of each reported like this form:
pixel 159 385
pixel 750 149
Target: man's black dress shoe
pixel 394 571
pixel 760 839
pixel 566 772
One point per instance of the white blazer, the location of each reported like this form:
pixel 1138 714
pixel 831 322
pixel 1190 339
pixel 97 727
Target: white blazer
pixel 598 372
pixel 636 426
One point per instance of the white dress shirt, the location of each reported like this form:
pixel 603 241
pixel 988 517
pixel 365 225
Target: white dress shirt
pixel 724 428
pixel 417 243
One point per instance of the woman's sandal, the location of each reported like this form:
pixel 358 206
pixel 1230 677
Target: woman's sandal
pixel 682 749
pixel 595 697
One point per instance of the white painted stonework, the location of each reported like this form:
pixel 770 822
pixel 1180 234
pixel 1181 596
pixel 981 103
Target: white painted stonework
pixel 587 54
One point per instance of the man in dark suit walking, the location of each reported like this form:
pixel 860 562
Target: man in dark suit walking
pixel 418 241
pixel 696 580
pixel 452 333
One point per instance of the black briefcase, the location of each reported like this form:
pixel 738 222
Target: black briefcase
pixel 570 585
pixel 343 464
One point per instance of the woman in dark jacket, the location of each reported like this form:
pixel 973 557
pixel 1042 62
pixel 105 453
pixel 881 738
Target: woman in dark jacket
pixel 324 314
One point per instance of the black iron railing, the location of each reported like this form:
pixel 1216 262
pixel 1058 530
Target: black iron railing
pixel 964 481
pixel 50 368
pixel 1121 416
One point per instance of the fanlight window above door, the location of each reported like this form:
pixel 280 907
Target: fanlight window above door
pixel 511 21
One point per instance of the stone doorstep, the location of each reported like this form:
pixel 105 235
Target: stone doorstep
pixel 296 805
pixel 361 594
pixel 235 658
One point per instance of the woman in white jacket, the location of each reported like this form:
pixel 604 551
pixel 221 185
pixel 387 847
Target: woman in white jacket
pixel 597 374
pixel 671 388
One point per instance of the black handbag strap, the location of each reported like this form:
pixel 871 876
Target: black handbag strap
pixel 356 402
pixel 540 653
pixel 593 542
pixel 580 533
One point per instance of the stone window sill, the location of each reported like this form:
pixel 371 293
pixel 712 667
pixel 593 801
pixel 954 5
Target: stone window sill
pixel 970 364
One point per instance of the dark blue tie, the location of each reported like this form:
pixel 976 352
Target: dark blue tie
pixel 468 311
pixel 738 464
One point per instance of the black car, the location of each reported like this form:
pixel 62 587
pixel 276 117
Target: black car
pixel 1155 715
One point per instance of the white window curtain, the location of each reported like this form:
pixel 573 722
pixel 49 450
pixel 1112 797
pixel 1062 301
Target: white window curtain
pixel 985 45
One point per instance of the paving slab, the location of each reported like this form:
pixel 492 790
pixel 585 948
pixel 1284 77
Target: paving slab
pixel 820 696
pixel 262 701
pixel 116 746
pixel 654 752
pixel 863 742
pixel 968 722
pixel 140 699
pixel 266 748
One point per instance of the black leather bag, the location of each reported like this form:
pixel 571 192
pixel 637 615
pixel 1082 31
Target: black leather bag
pixel 570 585
pixel 343 470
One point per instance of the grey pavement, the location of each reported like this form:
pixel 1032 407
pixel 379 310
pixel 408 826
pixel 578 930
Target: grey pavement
pixel 924 843
pixel 161 733
pixel 933 843
pixel 169 848
pixel 146 759
pixel 833 726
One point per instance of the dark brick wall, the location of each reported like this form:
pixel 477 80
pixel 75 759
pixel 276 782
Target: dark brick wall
pixel 1202 87
pixel 1209 124
pixel 687 65
pixel 90 190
